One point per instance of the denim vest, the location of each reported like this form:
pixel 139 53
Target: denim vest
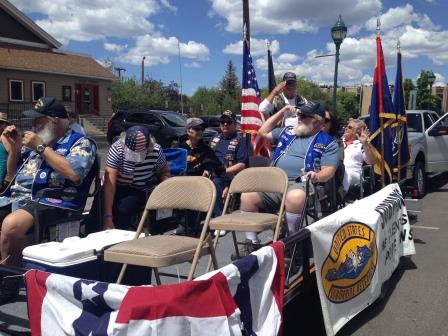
pixel 314 153
pixel 41 179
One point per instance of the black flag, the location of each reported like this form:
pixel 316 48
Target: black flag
pixel 271 76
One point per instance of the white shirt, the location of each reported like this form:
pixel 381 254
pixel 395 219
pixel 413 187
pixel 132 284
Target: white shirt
pixel 354 158
pixel 266 108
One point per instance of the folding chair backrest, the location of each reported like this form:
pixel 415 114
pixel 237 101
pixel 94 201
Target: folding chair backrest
pixel 177 160
pixel 261 179
pixel 183 192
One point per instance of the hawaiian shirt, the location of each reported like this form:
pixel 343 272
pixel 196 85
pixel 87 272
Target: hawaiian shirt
pixel 81 158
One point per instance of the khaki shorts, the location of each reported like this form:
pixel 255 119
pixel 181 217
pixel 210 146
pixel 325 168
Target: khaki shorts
pixel 271 201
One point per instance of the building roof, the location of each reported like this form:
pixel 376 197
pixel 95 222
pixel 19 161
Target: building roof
pixel 54 62
pixel 46 38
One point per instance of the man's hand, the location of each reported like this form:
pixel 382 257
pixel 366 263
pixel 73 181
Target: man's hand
pixel 206 173
pixel 313 176
pixel 108 223
pixel 225 192
pixel 11 139
pixel 279 87
pixel 364 136
pixel 31 140
pixel 289 111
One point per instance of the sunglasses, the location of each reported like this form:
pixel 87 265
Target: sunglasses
pixel 226 122
pixel 197 129
pixel 349 127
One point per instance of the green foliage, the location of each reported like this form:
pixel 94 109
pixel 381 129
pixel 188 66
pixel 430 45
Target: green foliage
pixel 347 105
pixel 312 91
pixel 128 93
pixel 230 84
pixel 425 100
pixel 206 101
pixel 408 86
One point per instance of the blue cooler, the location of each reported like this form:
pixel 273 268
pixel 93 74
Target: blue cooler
pixel 76 257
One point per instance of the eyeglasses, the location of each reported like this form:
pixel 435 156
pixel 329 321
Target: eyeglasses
pixel 349 127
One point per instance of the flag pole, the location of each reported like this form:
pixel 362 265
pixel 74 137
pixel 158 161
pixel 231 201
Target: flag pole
pixel 399 129
pixel 380 92
pixel 246 38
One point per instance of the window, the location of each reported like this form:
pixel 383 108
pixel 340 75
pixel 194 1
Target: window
pixel 414 122
pixel 144 118
pixel 37 90
pixel 66 93
pixel 428 120
pixel 15 90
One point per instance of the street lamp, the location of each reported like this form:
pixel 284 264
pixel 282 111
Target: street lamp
pixel 143 69
pixel 431 80
pixel 338 33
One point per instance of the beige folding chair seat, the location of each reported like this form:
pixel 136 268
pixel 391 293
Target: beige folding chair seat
pixel 248 221
pixel 182 192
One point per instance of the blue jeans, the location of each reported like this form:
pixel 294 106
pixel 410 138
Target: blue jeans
pixel 219 204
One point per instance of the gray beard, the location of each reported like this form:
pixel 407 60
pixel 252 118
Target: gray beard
pixel 47 134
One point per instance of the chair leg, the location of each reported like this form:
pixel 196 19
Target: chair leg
pixel 212 253
pixel 157 276
pixel 210 260
pixel 121 275
pixel 235 244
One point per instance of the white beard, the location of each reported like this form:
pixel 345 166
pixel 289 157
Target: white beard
pixel 302 130
pixel 47 134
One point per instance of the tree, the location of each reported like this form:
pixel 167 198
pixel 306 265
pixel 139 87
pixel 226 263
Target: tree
pixel 312 91
pixel 347 105
pixel 230 83
pixel 205 101
pixel 408 86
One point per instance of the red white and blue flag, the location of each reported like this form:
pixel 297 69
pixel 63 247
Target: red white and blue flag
pixel 251 117
pixel 245 297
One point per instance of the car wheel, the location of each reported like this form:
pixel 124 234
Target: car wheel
pixel 419 179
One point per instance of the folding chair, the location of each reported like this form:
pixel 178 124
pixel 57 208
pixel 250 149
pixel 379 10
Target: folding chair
pixel 182 192
pixel 257 179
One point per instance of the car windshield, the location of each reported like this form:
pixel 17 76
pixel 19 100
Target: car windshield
pixel 414 122
pixel 175 120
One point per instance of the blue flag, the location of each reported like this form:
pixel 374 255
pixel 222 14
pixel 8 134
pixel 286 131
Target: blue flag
pixel 382 116
pixel 400 127
pixel 271 75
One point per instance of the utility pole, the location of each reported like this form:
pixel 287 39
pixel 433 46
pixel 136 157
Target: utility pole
pixel 180 75
pixel 143 69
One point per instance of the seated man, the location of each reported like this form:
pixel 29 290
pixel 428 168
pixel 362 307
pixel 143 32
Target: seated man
pixel 357 150
pixel 135 165
pixel 52 157
pixel 302 150
pixel 230 148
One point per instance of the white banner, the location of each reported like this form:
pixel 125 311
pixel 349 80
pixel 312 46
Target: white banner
pixel 356 249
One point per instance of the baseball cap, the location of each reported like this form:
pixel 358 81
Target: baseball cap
pixel 136 143
pixel 194 122
pixel 47 107
pixel 289 77
pixel 311 107
pixel 4 117
pixel 228 115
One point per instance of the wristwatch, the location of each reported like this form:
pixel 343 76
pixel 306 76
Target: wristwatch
pixel 40 148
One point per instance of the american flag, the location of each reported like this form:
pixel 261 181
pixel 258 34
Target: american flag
pixel 243 298
pixel 251 118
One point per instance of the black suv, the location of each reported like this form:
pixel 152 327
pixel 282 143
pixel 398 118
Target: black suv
pixel 165 126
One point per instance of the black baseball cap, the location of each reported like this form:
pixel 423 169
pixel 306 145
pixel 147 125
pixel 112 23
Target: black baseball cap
pixel 47 107
pixel 311 107
pixel 228 115
pixel 289 77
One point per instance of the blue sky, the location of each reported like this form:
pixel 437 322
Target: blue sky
pixel 210 33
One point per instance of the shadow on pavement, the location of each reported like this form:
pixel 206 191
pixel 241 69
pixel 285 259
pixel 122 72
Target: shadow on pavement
pixel 436 183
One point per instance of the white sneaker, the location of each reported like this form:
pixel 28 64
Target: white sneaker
pixel 221 233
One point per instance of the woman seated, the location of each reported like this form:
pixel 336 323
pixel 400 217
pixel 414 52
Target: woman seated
pixel 357 150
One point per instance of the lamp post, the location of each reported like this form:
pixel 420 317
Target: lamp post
pixel 338 33
pixel 431 80
pixel 143 69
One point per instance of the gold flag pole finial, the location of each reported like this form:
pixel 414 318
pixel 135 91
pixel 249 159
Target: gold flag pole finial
pixel 378 25
pixel 268 45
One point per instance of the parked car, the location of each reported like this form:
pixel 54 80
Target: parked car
pixel 165 126
pixel 428 142
pixel 211 121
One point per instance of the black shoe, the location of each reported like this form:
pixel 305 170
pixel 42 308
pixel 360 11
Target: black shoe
pixel 180 231
pixel 9 290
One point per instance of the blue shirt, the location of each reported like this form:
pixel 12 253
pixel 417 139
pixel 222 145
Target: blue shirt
pixel 293 161
pixel 3 160
pixel 81 158
pixel 231 150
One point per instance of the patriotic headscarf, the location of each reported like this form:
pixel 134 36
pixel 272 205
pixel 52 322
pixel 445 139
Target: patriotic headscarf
pixel 136 144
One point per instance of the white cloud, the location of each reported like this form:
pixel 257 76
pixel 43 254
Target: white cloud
pixel 258 47
pixel 293 15
pixel 114 47
pixel 82 20
pixel 158 49
pixel 288 58
pixel 192 65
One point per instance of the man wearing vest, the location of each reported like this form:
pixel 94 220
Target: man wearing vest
pixel 302 150
pixel 230 149
pixel 53 156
